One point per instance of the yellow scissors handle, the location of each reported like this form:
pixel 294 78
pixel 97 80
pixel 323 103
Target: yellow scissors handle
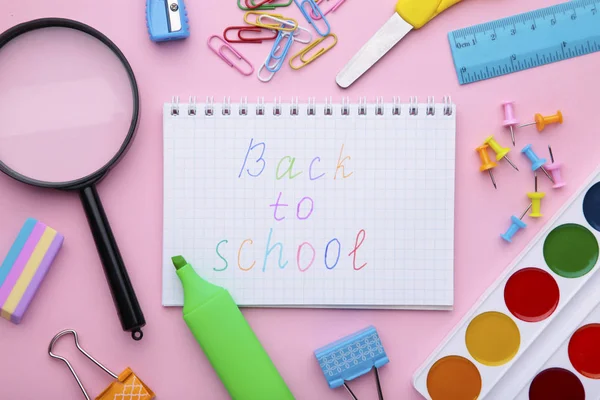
pixel 419 12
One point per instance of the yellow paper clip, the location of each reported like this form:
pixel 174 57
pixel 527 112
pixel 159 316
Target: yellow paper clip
pixel 310 47
pixel 126 385
pixel 280 23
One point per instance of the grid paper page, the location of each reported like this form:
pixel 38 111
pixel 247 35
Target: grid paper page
pixel 349 211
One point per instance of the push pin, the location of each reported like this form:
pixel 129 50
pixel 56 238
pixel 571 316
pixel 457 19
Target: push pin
pixel 536 162
pixel 352 356
pixel 541 122
pixel 486 163
pixel 536 200
pixel 509 118
pixel 516 225
pixel 126 385
pixel 554 169
pixel 501 152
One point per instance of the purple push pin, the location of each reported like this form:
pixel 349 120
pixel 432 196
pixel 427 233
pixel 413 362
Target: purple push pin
pixel 509 118
pixel 554 169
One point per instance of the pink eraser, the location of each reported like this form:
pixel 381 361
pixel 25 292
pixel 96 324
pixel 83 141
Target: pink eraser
pixel 26 266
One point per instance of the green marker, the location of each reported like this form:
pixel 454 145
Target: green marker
pixel 229 343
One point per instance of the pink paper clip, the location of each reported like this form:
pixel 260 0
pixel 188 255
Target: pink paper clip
pixel 332 9
pixel 227 46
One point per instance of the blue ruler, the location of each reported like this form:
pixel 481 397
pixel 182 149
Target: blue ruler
pixel 526 40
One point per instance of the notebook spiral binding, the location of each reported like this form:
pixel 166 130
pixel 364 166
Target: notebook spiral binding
pixel 413 106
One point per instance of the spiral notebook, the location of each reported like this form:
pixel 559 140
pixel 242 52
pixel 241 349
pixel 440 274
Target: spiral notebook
pixel 347 205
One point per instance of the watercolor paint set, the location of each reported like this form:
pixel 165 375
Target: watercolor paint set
pixel 519 307
pixel 573 370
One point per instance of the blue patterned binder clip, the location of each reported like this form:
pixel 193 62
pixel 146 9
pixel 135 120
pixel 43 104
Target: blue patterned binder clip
pixel 352 356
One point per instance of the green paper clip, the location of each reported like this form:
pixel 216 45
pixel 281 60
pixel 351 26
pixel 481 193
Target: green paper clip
pixel 263 7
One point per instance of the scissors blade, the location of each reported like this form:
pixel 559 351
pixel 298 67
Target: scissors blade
pixel 391 33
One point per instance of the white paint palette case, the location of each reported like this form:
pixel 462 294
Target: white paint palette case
pixel 500 349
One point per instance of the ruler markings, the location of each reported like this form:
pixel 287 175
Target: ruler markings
pixel 526 41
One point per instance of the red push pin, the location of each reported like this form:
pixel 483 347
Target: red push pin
pixel 509 118
pixel 486 163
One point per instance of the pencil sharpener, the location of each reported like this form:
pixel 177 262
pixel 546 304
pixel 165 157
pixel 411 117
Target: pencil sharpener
pixel 167 20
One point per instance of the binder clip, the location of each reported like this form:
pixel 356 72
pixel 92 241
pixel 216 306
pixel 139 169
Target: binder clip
pixel 352 356
pixel 127 386
pixel 167 20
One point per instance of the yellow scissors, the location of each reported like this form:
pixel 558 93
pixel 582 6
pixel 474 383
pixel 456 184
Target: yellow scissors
pixel 410 14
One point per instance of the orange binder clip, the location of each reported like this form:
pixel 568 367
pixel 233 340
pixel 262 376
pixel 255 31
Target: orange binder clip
pixel 127 385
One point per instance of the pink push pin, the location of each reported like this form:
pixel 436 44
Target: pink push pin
pixel 554 169
pixel 509 118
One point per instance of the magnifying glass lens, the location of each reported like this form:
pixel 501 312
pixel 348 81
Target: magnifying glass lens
pixel 66 105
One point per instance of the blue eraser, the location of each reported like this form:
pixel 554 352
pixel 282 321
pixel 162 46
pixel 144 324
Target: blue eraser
pixel 167 20
pixel 352 356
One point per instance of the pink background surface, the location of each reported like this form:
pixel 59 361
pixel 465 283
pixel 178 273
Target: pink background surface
pixel 76 296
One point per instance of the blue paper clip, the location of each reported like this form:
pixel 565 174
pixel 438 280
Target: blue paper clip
pixel 277 46
pixel 314 10
pixel 352 356
pixel 167 20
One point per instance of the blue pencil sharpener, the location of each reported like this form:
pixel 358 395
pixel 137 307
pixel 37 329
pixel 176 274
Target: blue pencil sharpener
pixel 167 20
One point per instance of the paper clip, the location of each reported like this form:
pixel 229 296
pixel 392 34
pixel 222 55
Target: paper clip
pixel 288 25
pixel 301 55
pixel 263 67
pixel 250 4
pixel 332 9
pixel 272 5
pixel 315 11
pixel 297 34
pixel 279 58
pixel 290 22
pixel 226 45
pixel 126 385
pixel 245 28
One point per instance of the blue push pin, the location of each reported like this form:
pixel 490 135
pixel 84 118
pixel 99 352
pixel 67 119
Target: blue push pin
pixel 536 162
pixel 516 226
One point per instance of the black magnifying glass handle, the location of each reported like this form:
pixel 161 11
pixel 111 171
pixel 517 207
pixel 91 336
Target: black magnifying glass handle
pixel 128 308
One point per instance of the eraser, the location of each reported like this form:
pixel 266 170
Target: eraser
pixel 26 266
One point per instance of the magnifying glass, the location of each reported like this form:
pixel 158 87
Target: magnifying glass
pixel 69 107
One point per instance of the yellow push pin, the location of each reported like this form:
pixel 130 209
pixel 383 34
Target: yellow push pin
pixel 536 200
pixel 501 152
pixel 486 163
pixel 541 122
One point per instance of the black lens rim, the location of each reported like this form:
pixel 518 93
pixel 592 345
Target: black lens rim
pixel 94 177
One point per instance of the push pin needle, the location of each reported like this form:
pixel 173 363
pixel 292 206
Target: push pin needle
pixel 525 212
pixel 551 155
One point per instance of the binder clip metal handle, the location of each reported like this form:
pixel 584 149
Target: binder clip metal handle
pixel 51 347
